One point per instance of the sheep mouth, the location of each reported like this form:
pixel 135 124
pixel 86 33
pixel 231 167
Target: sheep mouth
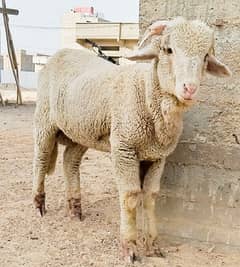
pixel 186 100
pixel 188 97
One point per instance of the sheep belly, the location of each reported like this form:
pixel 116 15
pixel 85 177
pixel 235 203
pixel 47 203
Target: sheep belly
pixel 89 127
pixel 85 136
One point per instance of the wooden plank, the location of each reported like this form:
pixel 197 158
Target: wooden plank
pixel 10 11
pixel 11 52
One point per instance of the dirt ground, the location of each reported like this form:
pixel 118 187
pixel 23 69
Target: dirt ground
pixel 26 239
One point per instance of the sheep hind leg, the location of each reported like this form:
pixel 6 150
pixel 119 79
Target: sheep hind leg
pixel 71 161
pixel 45 154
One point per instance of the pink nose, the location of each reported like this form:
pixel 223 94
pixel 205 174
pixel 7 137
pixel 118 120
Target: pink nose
pixel 190 88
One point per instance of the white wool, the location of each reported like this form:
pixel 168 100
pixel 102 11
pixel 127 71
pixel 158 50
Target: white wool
pixel 131 111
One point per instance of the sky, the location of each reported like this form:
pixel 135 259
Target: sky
pixel 48 13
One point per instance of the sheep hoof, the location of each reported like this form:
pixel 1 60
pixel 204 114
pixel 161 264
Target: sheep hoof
pixel 155 251
pixel 129 251
pixel 42 211
pixel 75 209
pixel 39 201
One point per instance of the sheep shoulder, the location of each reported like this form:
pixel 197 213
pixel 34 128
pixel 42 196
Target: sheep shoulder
pixel 152 128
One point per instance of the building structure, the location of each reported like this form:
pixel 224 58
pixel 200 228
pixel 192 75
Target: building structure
pixel 39 61
pixel 25 61
pixel 82 25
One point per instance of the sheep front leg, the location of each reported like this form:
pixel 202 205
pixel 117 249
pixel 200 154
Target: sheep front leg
pixel 126 168
pixel 151 189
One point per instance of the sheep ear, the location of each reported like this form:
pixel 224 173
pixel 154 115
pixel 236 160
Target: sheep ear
pixel 148 52
pixel 158 26
pixel 155 28
pixel 145 53
pixel 217 68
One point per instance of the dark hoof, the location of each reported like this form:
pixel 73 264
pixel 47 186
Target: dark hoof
pixel 39 202
pixel 75 209
pixel 132 257
pixel 129 251
pixel 155 251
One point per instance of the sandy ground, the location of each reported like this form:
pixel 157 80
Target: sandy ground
pixel 26 239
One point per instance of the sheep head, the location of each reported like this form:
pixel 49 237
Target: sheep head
pixel 185 51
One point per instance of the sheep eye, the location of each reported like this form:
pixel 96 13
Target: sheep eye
pixel 167 50
pixel 205 58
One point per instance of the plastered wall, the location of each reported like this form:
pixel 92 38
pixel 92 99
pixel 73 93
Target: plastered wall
pixel 200 189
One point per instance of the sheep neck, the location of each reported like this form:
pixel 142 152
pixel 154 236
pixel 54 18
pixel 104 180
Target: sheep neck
pixel 164 108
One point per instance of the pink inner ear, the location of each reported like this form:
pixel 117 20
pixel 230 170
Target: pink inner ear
pixel 157 27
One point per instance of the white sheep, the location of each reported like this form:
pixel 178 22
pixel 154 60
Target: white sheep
pixel 133 111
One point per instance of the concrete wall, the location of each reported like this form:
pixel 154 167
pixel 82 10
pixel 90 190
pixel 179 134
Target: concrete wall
pixel 1 62
pixel 25 61
pixel 39 61
pixel 200 189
